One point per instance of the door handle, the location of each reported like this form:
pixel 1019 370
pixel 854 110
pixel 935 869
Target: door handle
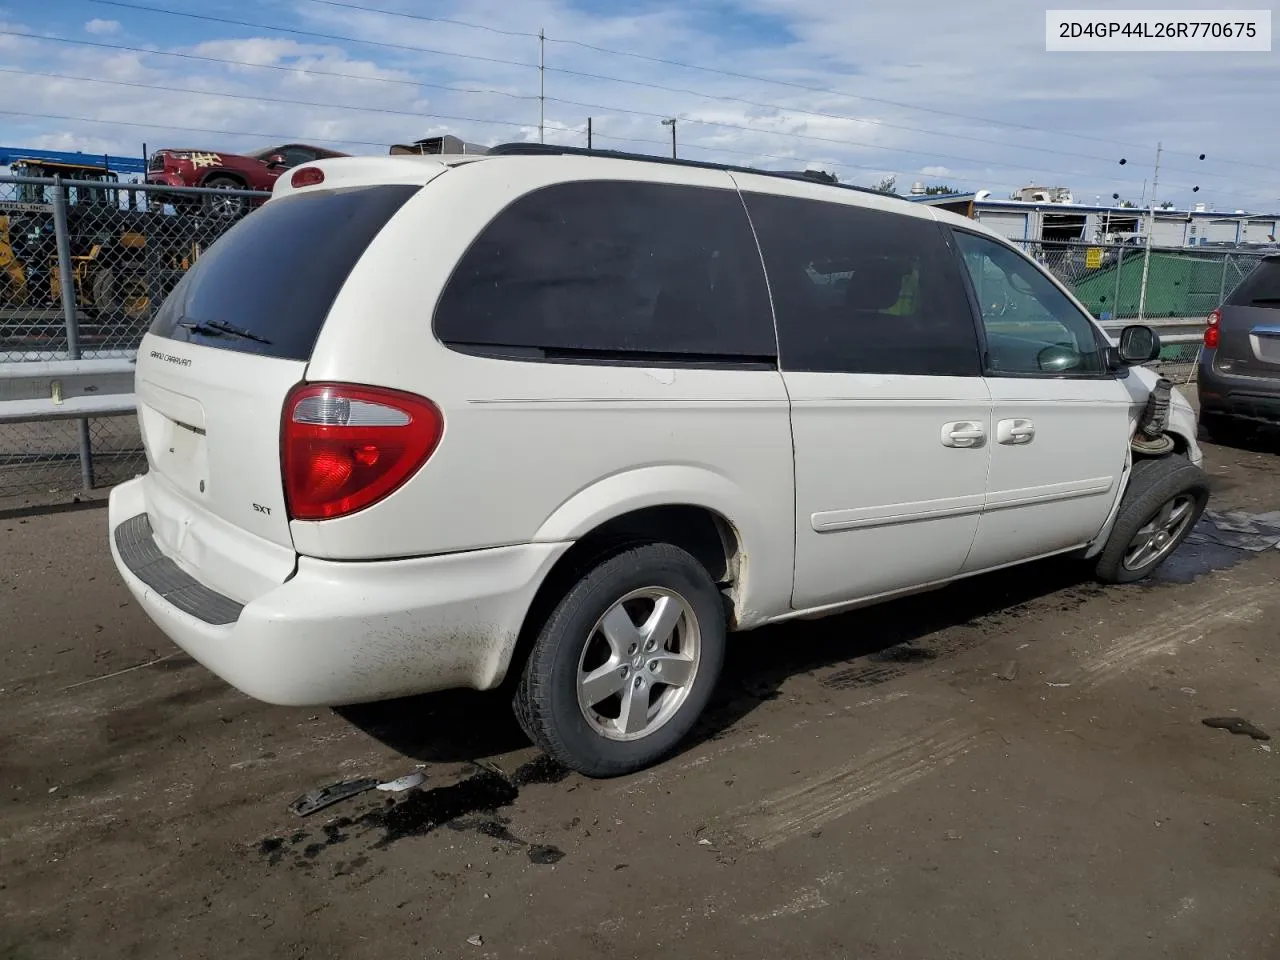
pixel 1014 432
pixel 963 433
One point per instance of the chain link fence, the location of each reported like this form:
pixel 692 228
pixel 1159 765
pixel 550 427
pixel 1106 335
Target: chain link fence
pixel 1170 287
pixel 1180 283
pixel 84 265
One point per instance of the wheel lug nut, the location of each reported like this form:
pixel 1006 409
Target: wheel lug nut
pixel 623 672
pixel 631 649
pixel 639 682
pixel 653 665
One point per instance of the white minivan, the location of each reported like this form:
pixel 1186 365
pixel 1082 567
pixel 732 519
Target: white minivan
pixel 427 422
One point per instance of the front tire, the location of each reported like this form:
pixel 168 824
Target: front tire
pixel 625 663
pixel 1164 500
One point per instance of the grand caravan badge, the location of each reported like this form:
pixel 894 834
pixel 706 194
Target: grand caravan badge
pixel 170 358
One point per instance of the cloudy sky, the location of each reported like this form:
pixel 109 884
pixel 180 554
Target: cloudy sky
pixel 928 90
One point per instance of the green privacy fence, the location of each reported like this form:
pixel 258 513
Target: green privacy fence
pixel 1180 282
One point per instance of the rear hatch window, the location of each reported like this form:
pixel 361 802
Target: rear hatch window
pixel 266 285
pixel 1261 288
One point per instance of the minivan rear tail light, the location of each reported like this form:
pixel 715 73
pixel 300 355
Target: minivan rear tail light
pixel 345 447
pixel 306 177
pixel 1213 332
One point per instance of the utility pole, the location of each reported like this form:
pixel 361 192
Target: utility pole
pixel 671 122
pixel 542 85
pixel 588 133
pixel 1151 229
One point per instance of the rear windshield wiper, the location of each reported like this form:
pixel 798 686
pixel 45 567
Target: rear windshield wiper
pixel 1257 300
pixel 215 328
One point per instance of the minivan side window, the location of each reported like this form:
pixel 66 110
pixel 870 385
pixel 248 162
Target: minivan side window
pixel 1032 328
pixel 858 290
pixel 606 270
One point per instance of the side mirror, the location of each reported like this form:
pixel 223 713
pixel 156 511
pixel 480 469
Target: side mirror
pixel 275 160
pixel 1138 344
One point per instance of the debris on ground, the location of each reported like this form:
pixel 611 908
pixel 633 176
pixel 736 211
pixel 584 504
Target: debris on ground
pixel 1010 671
pixel 322 797
pixel 1237 528
pixel 476 940
pixel 400 784
pixel 1237 725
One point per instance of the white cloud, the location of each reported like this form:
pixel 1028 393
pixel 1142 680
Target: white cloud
pixel 102 27
pixel 926 53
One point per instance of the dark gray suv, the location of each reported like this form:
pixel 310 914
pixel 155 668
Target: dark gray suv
pixel 1239 370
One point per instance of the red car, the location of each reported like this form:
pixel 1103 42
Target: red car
pixel 233 171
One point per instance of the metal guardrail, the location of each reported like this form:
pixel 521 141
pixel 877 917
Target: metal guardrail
pixel 66 389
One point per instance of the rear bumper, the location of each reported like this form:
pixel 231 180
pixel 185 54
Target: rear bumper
pixel 338 633
pixel 1255 399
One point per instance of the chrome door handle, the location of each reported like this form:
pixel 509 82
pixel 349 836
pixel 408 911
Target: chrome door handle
pixel 963 433
pixel 1014 432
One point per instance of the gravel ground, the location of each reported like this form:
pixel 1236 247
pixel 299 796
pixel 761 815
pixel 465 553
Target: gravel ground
pixel 1013 767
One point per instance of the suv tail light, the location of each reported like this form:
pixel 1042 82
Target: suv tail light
pixel 1213 333
pixel 345 447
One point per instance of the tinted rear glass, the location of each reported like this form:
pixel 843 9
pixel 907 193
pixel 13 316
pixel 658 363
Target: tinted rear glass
pixel 858 290
pixel 1260 288
pixel 274 275
pixel 612 270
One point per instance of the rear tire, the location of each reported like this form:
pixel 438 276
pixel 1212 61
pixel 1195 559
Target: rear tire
pixel 1164 500
pixel 104 291
pixel 625 663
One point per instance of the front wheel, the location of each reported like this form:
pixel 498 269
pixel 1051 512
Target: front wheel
pixel 626 662
pixel 1164 500
pixel 225 206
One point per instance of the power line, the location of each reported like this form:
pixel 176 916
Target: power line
pixel 266 66
pixel 418 16
pixel 720 97
pixel 575 103
pixel 830 140
pixel 257 98
pixel 311 33
pixel 339 38
pixel 278 137
pixel 813 89
pixel 854 96
pixel 287 137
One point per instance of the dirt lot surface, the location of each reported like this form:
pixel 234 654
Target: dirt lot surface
pixel 1015 767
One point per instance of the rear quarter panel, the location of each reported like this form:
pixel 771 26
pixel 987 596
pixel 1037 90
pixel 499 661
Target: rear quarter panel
pixel 538 451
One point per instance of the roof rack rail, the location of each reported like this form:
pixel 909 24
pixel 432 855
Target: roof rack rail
pixel 551 149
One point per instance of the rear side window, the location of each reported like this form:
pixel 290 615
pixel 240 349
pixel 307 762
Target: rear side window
pixel 614 271
pixel 267 284
pixel 1261 288
pixel 863 291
